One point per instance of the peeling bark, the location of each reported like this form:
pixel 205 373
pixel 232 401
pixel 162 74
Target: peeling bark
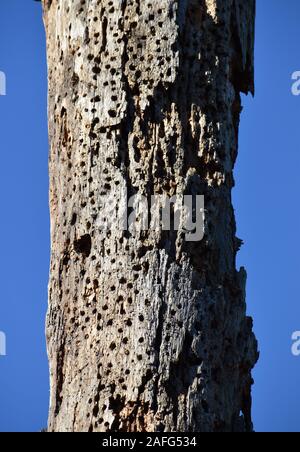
pixel 149 332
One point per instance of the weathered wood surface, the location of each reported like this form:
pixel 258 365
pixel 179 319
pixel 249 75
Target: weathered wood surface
pixel 146 332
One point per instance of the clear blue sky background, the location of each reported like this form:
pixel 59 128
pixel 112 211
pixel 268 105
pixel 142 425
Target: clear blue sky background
pixel 266 199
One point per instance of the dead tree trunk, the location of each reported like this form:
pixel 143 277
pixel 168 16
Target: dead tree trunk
pixel 147 331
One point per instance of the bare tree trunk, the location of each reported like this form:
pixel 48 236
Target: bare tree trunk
pixel 148 331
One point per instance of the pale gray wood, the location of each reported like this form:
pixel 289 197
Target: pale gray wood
pixel 146 333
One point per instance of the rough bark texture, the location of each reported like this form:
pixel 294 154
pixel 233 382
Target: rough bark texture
pixel 149 332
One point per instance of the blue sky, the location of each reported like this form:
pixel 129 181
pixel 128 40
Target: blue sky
pixel 265 198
